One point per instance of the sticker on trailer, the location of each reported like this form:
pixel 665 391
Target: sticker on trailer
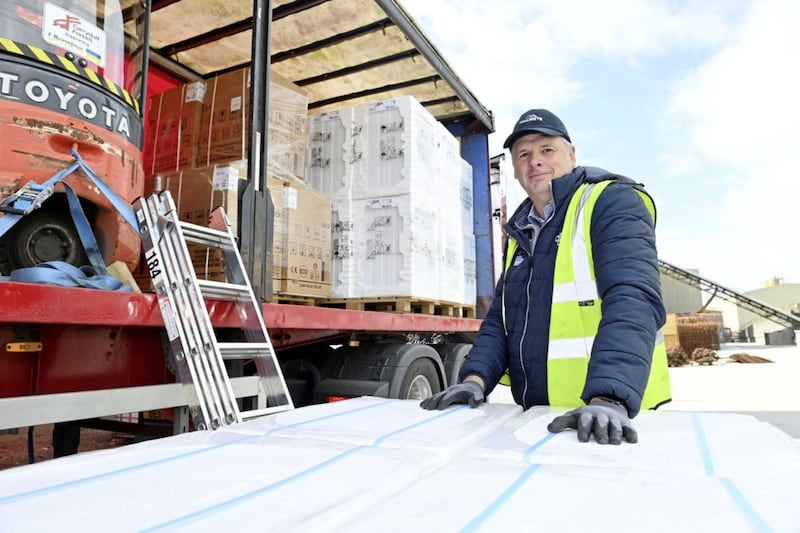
pixel 153 261
pixel 73 33
pixel 170 323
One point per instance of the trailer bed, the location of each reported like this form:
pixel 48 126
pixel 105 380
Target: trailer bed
pixel 101 352
pixel 372 464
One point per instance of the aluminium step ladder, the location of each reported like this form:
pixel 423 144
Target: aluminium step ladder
pixel 199 356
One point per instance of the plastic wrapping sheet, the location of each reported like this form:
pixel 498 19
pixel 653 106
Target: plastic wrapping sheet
pixel 401 200
pixel 372 464
pixel 481 494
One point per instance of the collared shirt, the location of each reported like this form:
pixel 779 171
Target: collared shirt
pixel 535 222
pixel 549 209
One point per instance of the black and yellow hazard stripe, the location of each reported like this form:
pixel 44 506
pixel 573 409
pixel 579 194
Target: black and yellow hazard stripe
pixel 37 54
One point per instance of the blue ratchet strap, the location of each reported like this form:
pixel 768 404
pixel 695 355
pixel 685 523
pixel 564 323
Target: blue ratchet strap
pixel 122 207
pixel 64 274
pixel 16 206
pixel 93 276
pixel 85 231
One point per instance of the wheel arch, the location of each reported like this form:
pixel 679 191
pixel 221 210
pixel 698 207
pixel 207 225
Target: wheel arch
pixel 387 362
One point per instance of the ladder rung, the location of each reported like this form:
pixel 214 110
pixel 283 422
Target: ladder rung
pixel 211 238
pixel 217 290
pixel 244 350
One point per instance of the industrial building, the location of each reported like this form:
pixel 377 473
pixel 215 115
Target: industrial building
pixel 741 322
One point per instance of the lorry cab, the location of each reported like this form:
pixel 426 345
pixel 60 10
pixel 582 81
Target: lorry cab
pixel 71 78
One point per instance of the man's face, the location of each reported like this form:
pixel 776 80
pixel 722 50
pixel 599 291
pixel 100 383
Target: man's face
pixel 538 160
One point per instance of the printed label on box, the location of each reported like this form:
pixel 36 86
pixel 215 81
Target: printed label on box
pixel 289 197
pixel 327 116
pixel 225 179
pixel 380 203
pixel 383 105
pixel 195 92
pixel 236 103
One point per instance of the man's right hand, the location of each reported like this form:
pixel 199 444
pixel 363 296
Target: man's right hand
pixel 467 392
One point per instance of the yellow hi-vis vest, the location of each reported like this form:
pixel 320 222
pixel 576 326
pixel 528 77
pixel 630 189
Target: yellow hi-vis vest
pixel 575 312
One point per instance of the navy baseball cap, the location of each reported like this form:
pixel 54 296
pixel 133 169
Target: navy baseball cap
pixel 537 121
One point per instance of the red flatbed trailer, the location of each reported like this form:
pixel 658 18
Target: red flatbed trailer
pixel 97 345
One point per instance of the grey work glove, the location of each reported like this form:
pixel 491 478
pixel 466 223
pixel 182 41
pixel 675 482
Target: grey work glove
pixel 466 392
pixel 606 420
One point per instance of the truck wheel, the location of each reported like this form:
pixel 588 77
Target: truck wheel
pixel 40 237
pixel 421 381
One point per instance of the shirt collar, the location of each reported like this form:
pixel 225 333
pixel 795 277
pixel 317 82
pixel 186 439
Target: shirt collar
pixel 534 218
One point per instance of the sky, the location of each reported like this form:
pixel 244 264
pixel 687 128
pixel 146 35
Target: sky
pixel 697 99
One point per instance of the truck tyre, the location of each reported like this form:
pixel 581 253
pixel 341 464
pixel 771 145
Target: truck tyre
pixel 453 356
pixel 43 236
pixel 421 381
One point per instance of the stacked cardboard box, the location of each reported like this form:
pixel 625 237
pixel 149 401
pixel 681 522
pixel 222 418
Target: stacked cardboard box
pixel 205 123
pixel 197 193
pixel 334 145
pixel 400 205
pixel 173 126
pixel 302 239
pixel 470 283
pixel 198 150
pixel 224 123
pixel 223 130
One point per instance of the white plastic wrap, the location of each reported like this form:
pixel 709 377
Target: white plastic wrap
pixel 372 464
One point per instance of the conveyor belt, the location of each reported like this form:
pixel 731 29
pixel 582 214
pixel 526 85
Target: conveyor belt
pixel 745 302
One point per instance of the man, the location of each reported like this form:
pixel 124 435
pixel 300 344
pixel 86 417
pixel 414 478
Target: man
pixel 578 308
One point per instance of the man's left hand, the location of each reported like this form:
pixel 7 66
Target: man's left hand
pixel 606 420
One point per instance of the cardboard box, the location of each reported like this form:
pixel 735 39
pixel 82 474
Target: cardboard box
pixel 173 126
pixel 197 193
pixel 288 115
pixel 224 133
pixel 302 239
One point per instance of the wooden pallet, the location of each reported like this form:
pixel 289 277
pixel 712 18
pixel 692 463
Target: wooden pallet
pixel 400 305
pixel 293 299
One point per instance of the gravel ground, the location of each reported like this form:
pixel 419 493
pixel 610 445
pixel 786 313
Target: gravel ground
pixel 14 447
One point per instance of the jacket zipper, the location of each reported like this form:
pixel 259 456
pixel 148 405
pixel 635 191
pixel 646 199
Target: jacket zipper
pixel 522 338
pixel 534 236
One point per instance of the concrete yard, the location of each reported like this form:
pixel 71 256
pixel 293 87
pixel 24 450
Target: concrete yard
pixel 768 391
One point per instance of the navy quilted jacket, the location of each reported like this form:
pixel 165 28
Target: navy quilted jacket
pixel 628 282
